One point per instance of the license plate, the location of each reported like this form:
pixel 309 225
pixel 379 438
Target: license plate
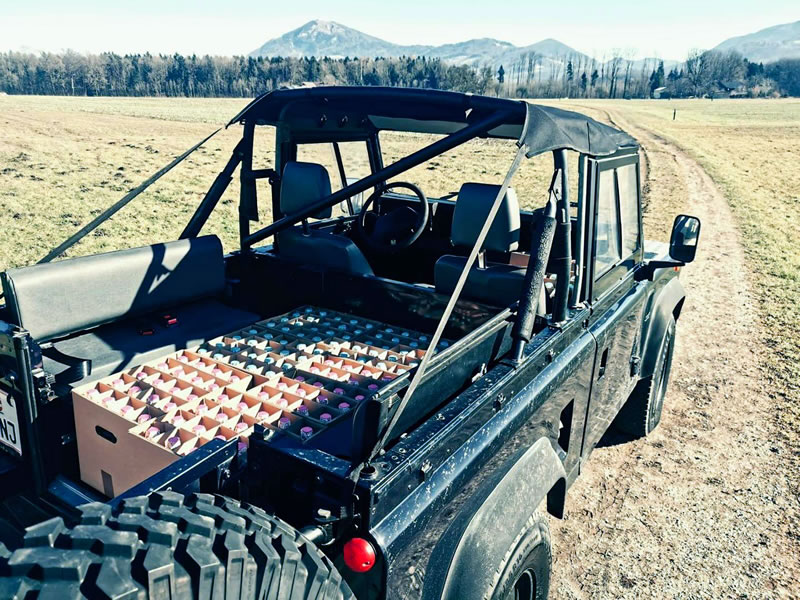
pixel 9 423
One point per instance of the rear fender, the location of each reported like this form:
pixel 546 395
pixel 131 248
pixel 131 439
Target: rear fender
pixel 665 305
pixel 472 549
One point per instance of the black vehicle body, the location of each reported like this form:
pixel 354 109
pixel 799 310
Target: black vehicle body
pixel 500 422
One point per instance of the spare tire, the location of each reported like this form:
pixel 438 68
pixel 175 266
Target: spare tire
pixel 167 546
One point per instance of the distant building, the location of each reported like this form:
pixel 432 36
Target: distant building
pixel 660 92
pixel 729 88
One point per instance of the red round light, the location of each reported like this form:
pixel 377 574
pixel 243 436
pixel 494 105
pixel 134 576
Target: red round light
pixel 359 555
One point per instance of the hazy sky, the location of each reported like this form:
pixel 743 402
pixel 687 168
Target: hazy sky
pixel 666 29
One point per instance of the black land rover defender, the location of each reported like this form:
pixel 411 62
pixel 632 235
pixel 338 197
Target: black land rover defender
pixel 380 404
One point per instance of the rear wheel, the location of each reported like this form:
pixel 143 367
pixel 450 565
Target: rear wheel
pixel 641 414
pixel 525 572
pixel 170 546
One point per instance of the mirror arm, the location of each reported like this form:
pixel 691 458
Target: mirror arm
pixel 648 269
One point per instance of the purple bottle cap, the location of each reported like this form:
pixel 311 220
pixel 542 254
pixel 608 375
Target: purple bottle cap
pixel 177 371
pixel 282 386
pixel 192 397
pixel 301 392
pixel 262 414
pixel 118 382
pixel 163 365
pixel 284 422
pixel 235 378
pixel 143 418
pixel 91 392
pixel 242 406
pixel 318 384
pixel 302 409
pixel 134 389
pixel 177 420
pixel 175 390
pixel 322 399
pixel 201 409
pixel 153 398
pixel 217 371
pixel 344 406
pixel 241 446
pixel 173 442
pixel 220 417
pixel 169 406
pixel 223 398
pixel 326 417
pixel 372 386
pixel 141 375
pixel 263 395
pixel 220 437
pixel 125 409
pixel 282 402
pixel 199 428
pixel 366 373
pixel 240 427
pixel 213 386
pixel 299 378
pixel 306 432
pixel 338 390
pixel 158 381
pixel 152 432
pixel 197 380
pixel 359 397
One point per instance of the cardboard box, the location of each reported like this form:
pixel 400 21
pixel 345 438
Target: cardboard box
pixel 111 458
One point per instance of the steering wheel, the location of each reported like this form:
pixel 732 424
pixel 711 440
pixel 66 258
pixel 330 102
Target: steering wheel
pixel 397 229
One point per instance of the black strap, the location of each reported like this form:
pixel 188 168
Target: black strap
pixel 78 368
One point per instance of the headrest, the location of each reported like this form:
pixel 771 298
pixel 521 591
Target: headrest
pixel 51 300
pixel 303 184
pixel 472 208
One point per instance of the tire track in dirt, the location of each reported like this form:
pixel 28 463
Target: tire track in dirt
pixel 698 509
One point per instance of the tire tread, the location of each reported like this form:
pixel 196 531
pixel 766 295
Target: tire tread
pixel 167 545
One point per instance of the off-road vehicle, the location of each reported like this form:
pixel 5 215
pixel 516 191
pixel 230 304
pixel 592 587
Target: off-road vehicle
pixel 380 404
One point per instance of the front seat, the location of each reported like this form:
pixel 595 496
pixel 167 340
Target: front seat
pixel 494 283
pixel 303 184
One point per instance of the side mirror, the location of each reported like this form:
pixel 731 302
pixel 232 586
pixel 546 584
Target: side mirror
pixel 685 235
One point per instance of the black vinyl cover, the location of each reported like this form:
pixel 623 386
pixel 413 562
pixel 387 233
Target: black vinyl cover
pixel 539 128
pixel 52 300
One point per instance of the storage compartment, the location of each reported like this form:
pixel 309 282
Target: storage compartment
pixel 302 376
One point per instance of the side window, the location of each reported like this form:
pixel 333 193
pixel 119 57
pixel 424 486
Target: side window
pixel 629 207
pixel 607 233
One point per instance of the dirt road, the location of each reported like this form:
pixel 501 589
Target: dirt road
pixel 701 508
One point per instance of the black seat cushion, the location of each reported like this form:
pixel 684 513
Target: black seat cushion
pixel 497 284
pixel 115 346
pixel 53 300
pixel 303 184
pixel 323 249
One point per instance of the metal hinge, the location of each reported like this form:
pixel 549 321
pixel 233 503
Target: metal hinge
pixel 636 365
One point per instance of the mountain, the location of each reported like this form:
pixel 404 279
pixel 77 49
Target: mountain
pixel 767 45
pixel 326 38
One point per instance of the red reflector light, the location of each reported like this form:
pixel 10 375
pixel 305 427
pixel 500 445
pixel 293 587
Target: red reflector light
pixel 359 555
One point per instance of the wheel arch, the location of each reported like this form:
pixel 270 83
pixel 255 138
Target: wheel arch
pixel 667 305
pixel 470 552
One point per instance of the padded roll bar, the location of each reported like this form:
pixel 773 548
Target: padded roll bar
pixel 541 244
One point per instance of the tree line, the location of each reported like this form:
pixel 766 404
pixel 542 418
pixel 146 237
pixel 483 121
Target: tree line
pixel 532 75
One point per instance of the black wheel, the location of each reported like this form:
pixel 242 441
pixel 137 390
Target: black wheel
pixel 525 571
pixel 641 413
pixel 166 546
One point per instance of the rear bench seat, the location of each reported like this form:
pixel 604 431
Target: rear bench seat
pixel 97 308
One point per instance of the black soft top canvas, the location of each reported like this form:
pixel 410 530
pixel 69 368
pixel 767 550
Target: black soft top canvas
pixel 538 128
